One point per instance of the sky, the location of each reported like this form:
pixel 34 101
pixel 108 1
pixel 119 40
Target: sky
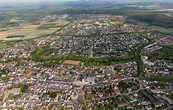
pixel 30 1
pixel 15 1
pixel 43 1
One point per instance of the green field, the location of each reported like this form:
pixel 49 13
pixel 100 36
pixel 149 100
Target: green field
pixel 28 33
pixel 165 53
pixel 153 19
pixel 2 45
pixel 37 33
pixel 163 30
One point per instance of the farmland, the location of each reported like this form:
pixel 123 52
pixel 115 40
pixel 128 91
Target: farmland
pixel 33 31
pixel 154 19
pixel 163 30
pixel 53 25
pixel 2 45
pixel 29 21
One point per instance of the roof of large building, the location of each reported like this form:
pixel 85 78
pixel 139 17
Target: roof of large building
pixel 71 62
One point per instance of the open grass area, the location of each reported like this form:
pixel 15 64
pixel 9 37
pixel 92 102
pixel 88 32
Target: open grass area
pixel 163 30
pixel 3 45
pixel 31 26
pixel 37 33
pixel 28 33
pixel 3 29
pixel 154 19
pixel 160 78
pixel 165 53
pixel 62 22
pixel 7 44
pixel 53 25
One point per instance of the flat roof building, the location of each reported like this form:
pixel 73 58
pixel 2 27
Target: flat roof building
pixel 71 62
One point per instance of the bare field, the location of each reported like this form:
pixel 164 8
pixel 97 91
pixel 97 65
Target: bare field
pixel 54 28
pixel 31 26
pixel 5 34
pixel 62 23
pixel 154 6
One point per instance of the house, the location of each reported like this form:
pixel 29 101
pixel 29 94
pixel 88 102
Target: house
pixel 2 104
pixel 29 74
pixel 62 71
pixel 100 94
pixel 157 104
pixel 19 104
pixel 168 100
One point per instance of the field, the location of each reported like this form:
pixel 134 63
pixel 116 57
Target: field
pixel 33 31
pixel 5 34
pixel 165 53
pixel 154 19
pixel 154 6
pixel 2 45
pixel 31 26
pixel 62 23
pixel 53 25
pixel 29 32
pixel 163 30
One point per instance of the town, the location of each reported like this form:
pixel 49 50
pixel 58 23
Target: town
pixel 96 62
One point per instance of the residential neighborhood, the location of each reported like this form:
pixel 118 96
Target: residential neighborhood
pixel 94 63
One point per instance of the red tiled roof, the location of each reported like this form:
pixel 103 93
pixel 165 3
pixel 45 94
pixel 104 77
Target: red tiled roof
pixel 63 71
pixel 29 74
pixel 71 62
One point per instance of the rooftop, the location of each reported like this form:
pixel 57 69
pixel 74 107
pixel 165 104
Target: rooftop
pixel 71 62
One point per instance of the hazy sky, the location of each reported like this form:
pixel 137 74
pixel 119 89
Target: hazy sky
pixel 32 1
pixel 40 1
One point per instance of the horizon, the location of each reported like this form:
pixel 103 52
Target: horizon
pixel 18 2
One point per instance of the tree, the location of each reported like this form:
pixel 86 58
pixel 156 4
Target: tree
pixel 23 87
pixel 20 108
pixel 52 94
pixel 84 107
